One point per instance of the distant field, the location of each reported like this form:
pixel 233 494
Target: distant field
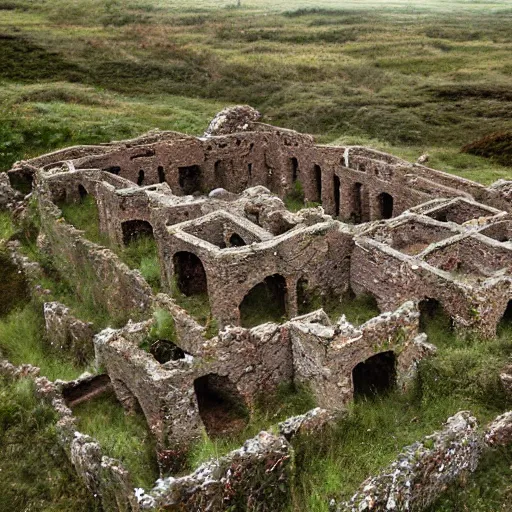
pixel 406 77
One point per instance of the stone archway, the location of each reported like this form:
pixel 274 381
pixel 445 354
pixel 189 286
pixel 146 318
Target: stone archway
pixel 221 407
pixel 375 376
pixel 136 229
pixel 265 302
pixel 385 202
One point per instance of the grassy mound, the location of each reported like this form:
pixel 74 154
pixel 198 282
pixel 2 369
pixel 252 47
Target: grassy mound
pixel 497 146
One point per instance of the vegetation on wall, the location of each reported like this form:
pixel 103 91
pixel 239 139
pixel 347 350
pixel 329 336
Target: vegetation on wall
pixel 35 474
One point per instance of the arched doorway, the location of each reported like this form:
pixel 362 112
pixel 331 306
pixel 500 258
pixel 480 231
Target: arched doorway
pixel 375 376
pixel 433 316
pixel 82 192
pixel 135 230
pixel 385 202
pixel 221 407
pixel 190 274
pixel 265 302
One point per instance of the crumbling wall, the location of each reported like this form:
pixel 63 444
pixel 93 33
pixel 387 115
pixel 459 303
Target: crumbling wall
pixel 422 472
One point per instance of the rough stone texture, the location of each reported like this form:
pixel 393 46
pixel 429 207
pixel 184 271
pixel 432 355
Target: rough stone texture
pixel 313 422
pixel 499 431
pixel 68 333
pixel 325 356
pixel 254 477
pixel 422 471
pixel 8 196
pixel 232 120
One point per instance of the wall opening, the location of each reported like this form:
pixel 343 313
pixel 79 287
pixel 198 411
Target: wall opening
pixel 190 274
pixel 161 174
pixel 433 315
pixel 189 179
pixel 221 407
pixel 235 240
pixel 317 171
pixel 135 230
pixel 249 172
pixel 115 169
pixel 506 319
pixel 375 376
pixel 337 185
pixel 265 302
pixel 385 205
pixel 294 165
pixel 140 178
pixel 308 299
pixel 165 350
pixel 82 192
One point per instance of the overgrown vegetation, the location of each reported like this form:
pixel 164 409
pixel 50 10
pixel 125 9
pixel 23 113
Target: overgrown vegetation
pixel 84 215
pixel 35 474
pixel 23 340
pixel 123 437
pixel 464 375
pixel 343 74
pixel 142 254
pixel 497 146
pixel 270 409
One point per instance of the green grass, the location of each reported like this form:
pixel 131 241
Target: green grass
pixel 35 474
pixel 23 340
pixel 419 77
pixel 198 306
pixel 464 375
pixel 121 436
pixel 142 254
pixel 84 215
pixel 6 226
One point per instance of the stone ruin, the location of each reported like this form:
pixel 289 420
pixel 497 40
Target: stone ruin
pixel 415 239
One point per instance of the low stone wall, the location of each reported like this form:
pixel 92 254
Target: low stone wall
pixel 123 292
pixel 255 477
pixel 423 471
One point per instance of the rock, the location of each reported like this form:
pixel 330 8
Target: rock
pixel 499 431
pixel 233 120
pixel 421 473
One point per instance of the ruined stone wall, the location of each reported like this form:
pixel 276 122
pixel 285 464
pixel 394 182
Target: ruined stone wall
pixel 120 290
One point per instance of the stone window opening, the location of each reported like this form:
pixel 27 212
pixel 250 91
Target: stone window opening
pixel 249 171
pixel 140 178
pixel 135 230
pixel 337 186
pixel 115 169
pixel 375 376
pixel 433 312
pixel 265 302
pixel 318 183
pixel 385 202
pixel 190 274
pixel 294 163
pixel 506 319
pixel 161 174
pixel 221 407
pixel 189 179
pixel 82 192
pixel 165 350
pixel 235 240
